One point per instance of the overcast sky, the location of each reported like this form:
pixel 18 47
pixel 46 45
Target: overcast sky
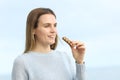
pixel 95 22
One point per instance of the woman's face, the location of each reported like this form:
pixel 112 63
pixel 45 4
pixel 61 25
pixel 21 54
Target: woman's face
pixel 46 31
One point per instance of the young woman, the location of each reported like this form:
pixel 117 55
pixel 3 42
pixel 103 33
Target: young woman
pixel 40 60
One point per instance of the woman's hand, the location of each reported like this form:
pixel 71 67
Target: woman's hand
pixel 78 49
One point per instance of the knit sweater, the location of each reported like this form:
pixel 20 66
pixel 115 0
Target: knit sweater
pixel 55 65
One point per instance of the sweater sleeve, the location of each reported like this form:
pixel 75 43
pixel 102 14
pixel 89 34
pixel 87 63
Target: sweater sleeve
pixel 18 71
pixel 80 71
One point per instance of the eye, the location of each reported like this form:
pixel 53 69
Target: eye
pixel 46 25
pixel 55 25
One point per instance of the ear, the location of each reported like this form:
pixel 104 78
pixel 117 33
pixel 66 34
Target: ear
pixel 33 32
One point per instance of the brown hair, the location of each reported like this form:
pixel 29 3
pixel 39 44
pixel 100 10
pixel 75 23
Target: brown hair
pixel 32 21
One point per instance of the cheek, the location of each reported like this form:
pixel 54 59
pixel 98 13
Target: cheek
pixel 38 33
pixel 56 32
pixel 41 33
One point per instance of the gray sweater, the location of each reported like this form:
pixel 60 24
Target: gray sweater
pixel 55 65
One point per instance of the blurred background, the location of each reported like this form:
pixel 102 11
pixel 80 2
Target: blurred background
pixel 95 22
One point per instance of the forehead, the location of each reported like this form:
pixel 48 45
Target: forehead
pixel 47 18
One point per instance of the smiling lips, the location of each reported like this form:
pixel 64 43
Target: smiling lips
pixel 52 36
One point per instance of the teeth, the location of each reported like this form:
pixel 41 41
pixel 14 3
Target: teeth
pixel 51 36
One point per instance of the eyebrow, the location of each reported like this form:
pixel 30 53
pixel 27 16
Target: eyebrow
pixel 49 23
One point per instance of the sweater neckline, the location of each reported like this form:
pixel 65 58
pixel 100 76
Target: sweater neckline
pixel 41 53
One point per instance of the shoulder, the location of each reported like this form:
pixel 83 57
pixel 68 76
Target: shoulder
pixel 20 59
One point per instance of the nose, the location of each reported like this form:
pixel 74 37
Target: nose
pixel 53 29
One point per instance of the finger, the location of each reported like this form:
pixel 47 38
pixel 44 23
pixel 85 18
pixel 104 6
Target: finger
pixel 77 44
pixel 80 44
pixel 81 47
pixel 73 44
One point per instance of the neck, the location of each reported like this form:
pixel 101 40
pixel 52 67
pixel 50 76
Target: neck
pixel 41 48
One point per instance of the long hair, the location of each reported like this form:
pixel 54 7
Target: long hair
pixel 31 24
